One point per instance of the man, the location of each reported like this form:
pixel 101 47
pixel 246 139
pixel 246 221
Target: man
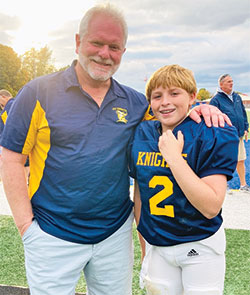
pixel 230 103
pixel 76 126
pixel 6 101
pixel 5 98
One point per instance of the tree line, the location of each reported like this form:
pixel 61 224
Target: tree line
pixel 16 70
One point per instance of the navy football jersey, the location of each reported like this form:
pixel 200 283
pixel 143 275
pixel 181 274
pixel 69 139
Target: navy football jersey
pixel 167 217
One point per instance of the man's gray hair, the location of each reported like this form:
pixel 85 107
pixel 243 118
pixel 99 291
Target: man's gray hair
pixel 222 77
pixel 108 9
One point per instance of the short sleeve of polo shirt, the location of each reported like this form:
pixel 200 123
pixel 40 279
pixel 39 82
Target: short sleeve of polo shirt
pixel 24 119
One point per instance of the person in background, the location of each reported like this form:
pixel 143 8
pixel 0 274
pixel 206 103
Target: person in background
pixel 6 101
pixel 181 170
pixel 75 218
pixel 230 103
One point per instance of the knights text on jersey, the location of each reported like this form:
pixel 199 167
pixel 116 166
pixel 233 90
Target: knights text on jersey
pixel 167 217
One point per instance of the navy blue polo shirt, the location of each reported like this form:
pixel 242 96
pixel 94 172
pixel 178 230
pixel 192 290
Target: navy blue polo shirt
pixel 79 183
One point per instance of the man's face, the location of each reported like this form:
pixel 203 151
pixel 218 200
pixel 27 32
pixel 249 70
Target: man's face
pixel 227 85
pixel 3 101
pixel 101 49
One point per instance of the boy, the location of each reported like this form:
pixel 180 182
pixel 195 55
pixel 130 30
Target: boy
pixel 180 185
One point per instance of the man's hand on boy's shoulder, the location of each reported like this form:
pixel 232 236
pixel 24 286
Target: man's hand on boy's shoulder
pixel 211 114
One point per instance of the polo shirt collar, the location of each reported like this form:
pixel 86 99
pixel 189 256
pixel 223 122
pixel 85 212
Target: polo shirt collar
pixel 70 77
pixel 116 89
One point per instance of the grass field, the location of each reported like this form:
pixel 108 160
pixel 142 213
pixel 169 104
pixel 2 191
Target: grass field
pixel 12 270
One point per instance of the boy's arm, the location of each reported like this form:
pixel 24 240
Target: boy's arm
pixel 137 212
pixel 16 189
pixel 205 194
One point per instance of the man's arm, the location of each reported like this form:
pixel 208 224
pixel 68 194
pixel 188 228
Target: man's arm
pixel 16 189
pixel 246 124
pixel 246 135
pixel 211 114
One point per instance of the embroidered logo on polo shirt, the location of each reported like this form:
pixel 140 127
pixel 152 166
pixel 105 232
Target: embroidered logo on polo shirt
pixel 121 114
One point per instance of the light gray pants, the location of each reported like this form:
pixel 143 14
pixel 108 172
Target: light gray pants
pixel 53 266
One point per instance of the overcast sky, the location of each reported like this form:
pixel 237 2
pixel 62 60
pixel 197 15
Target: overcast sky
pixel 211 37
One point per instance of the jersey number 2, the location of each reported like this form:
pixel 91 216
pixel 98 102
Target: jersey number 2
pixel 166 192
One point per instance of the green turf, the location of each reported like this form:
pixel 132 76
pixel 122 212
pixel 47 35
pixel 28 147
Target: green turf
pixel 12 270
pixel 238 262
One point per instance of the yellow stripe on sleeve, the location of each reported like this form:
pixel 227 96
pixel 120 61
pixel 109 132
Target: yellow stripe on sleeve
pixel 4 117
pixel 37 146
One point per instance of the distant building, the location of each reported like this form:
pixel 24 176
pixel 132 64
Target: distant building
pixel 245 99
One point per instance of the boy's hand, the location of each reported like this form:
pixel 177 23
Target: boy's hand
pixel 170 147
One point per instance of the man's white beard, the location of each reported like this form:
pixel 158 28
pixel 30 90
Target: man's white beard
pixel 99 74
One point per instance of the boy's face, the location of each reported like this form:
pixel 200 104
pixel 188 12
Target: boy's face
pixel 171 105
